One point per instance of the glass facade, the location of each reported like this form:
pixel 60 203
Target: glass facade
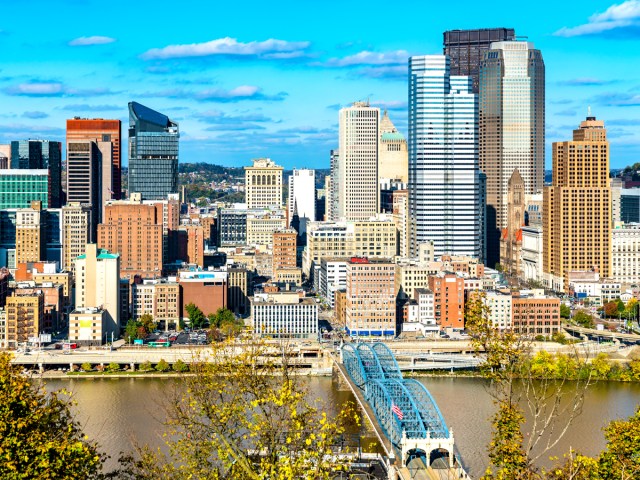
pixel 41 154
pixel 630 205
pixel 466 49
pixel 153 153
pixel 19 187
pixel 445 190
pixel 512 119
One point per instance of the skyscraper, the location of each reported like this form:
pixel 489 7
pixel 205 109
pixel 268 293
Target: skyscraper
pixel 84 168
pixel 393 155
pixel 102 130
pixel 41 154
pixel 153 153
pixel 302 197
pixel 466 49
pixel 263 184
pixel 512 92
pixel 577 207
pixel 445 200
pixel 355 172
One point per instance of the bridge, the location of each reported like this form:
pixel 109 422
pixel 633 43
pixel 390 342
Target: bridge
pixel 604 334
pixel 405 416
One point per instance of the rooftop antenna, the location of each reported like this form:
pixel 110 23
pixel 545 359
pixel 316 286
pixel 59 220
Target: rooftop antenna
pixel 588 110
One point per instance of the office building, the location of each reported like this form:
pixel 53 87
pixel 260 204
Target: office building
pixel 5 162
pixel 84 178
pixel 393 160
pixel 534 314
pixel 30 234
pixel 98 285
pixel 630 205
pixel 511 237
pixel 205 289
pixel 370 298
pixel 18 188
pixel 89 326
pixel 333 277
pixel 448 300
pixel 284 315
pixel 354 171
pixel 41 154
pixel 24 318
pixel 444 178
pixel 577 207
pixel 159 298
pixel 302 197
pixel 100 130
pixel 232 225
pixel 261 225
pixel 239 289
pixel 625 254
pixel 191 244
pixel 284 249
pixel 76 225
pixel 135 231
pixel 512 123
pixel 263 184
pixel 44 273
pixel 617 186
pixel 331 186
pixel 153 153
pixel 466 49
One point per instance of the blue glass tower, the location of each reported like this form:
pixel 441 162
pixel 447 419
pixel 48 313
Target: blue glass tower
pixel 153 153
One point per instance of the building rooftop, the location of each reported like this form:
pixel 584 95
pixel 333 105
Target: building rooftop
pixel 102 255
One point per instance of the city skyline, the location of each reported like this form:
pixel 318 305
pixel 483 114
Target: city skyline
pixel 242 91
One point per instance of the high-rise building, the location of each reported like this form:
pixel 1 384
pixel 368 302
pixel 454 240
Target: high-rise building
pixel 25 317
pixel 153 153
pixel 41 154
pixel 263 184
pixel 84 179
pixel 466 49
pixel 102 130
pixel 302 197
pixel 76 223
pixel 5 156
pixel 445 189
pixel 393 161
pixel 135 231
pixel 18 188
pixel 448 298
pixel 511 238
pixel 512 93
pixel 332 187
pixel 30 234
pixel 98 286
pixel 355 172
pixel 577 207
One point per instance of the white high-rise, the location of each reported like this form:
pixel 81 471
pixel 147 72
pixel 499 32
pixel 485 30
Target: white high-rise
pixel 302 197
pixel 355 171
pixel 445 190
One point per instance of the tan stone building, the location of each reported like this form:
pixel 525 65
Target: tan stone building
pixel 401 219
pixel 158 298
pixel 262 225
pixel 284 249
pixel 135 231
pixel 76 225
pixel 290 275
pixel 24 318
pixel 263 184
pixel 577 207
pixel 393 161
pixel 511 238
pixel 30 234
pixel 88 325
pixel 370 299
pixel 535 314
pixel 239 289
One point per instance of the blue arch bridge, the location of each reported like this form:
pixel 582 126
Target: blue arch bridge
pixel 404 409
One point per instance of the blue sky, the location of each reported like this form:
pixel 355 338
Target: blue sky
pixel 267 78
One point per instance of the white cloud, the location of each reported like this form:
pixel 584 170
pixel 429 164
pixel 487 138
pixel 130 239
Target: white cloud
pixel 623 15
pixel 94 40
pixel 272 48
pixel 44 89
pixel 396 57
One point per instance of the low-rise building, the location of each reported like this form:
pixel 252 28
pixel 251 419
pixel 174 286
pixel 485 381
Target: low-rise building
pixel 205 289
pixel 89 326
pixel 625 254
pixel 25 314
pixel 332 277
pixel 531 253
pixel 291 275
pixel 535 314
pixel 419 314
pixel 448 297
pixel 284 315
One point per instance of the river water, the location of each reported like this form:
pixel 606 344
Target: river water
pixel 117 413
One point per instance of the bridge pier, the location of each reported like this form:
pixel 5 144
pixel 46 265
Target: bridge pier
pixel 132 366
pixel 428 446
pixel 41 368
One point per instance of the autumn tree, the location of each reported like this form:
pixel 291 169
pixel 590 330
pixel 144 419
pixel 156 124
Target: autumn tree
pixel 243 416
pixel 39 437
pixel 197 319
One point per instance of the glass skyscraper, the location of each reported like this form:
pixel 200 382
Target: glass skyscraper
pixel 153 153
pixel 18 188
pixel 445 188
pixel 40 154
pixel 466 49
pixel 512 91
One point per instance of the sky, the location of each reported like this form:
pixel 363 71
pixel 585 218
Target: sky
pixel 266 79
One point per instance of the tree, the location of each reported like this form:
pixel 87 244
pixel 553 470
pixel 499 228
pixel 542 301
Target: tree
pixel 87 367
pixel 230 410
pixel 163 366
pixel 621 459
pixel 146 366
pixel 610 309
pixel 180 366
pixel 38 436
pixel 146 321
pixel 584 319
pixel 620 305
pixel 196 317
pixel 113 367
pixel 565 311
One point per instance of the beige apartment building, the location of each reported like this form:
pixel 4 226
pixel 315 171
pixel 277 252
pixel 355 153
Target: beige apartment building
pixel 30 234
pixel 370 298
pixel 262 225
pixel 87 326
pixel 577 207
pixel 158 298
pixel 263 184
pixel 24 318
pixel 76 225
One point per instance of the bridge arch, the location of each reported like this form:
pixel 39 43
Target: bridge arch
pixel 429 410
pixel 387 360
pixel 354 365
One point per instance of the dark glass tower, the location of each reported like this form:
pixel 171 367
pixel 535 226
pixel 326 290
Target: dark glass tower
pixel 466 48
pixel 41 154
pixel 153 153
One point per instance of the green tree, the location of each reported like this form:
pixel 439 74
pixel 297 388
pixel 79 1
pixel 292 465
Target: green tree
pixel 38 435
pixel 196 317
pixel 180 366
pixel 584 319
pixel 620 305
pixel 621 459
pixel 147 322
pixel 146 366
pixel 113 367
pixel 163 366
pixel 87 367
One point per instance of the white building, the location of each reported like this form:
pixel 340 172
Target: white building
pixel 263 184
pixel 333 276
pixel 625 254
pixel 302 197
pixel 531 253
pixel 98 284
pixel 445 187
pixel 500 309
pixel 355 170
pixel 284 315
pixel 419 313
pixel 90 326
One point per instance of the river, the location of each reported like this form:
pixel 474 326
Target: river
pixel 120 412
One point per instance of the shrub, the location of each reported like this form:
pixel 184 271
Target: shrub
pixel 146 366
pixel 86 367
pixel 180 366
pixel 113 367
pixel 162 366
